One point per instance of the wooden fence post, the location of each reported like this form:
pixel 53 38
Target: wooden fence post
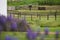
pixel 20 14
pixel 24 16
pixel 55 14
pixel 40 16
pixel 31 17
pixel 37 14
pixel 47 16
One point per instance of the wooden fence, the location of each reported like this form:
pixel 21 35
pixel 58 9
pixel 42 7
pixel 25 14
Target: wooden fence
pixel 34 7
pixel 37 14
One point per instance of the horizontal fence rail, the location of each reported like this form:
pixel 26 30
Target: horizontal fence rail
pixel 54 13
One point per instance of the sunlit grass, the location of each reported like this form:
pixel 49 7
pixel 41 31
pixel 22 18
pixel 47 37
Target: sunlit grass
pixel 37 10
pixel 22 35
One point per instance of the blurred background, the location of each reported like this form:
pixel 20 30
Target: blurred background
pixel 36 15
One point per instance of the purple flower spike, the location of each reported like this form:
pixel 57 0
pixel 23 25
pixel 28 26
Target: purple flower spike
pixel 56 35
pixel 11 38
pixel 8 38
pixel 29 34
pixel 9 18
pixel 14 38
pixel 14 26
pixel 46 31
pixel 24 22
pixel 57 32
pixel 34 35
pixel 2 20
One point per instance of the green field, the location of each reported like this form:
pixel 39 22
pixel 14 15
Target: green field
pixel 40 21
pixel 36 21
pixel 52 24
pixel 22 35
pixel 33 2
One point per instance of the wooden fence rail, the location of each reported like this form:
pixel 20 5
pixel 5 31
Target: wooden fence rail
pixel 55 14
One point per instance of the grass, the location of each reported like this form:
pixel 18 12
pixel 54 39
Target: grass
pixel 35 23
pixel 47 11
pixel 43 21
pixel 22 35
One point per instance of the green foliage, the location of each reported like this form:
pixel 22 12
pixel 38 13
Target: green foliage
pixel 34 2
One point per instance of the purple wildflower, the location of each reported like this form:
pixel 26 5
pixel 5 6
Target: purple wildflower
pixel 10 37
pixel 23 25
pixel 34 35
pixel 2 20
pixel 9 18
pixel 14 26
pixel 7 37
pixel 14 38
pixel 23 22
pixel 56 35
pixel 29 34
pixel 46 31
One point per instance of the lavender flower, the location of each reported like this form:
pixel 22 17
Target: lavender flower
pixel 56 35
pixel 7 37
pixel 23 25
pixel 46 31
pixel 9 18
pixel 10 37
pixel 2 20
pixel 2 24
pixel 13 26
pixel 34 36
pixel 23 21
pixel 31 35
pixel 14 38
